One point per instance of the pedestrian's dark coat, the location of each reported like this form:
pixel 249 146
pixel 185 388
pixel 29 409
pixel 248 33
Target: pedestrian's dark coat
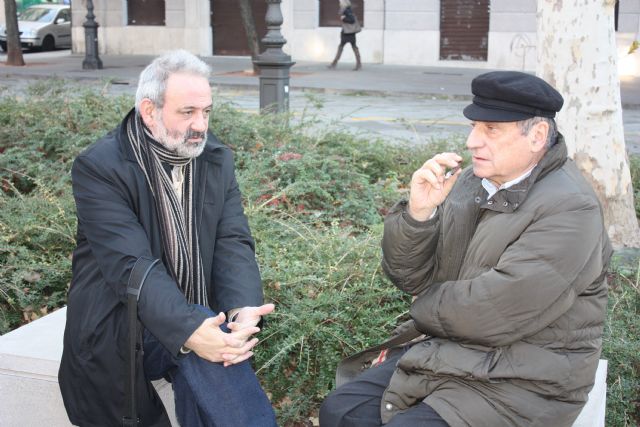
pixel 117 224
pixel 511 291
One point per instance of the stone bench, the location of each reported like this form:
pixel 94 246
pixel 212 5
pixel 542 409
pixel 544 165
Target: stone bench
pixel 30 396
pixel 29 362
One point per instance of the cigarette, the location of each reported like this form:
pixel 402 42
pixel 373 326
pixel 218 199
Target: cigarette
pixel 451 172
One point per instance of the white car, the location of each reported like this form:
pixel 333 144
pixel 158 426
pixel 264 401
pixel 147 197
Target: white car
pixel 43 26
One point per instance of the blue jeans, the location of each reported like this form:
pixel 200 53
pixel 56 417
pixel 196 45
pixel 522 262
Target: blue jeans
pixel 208 394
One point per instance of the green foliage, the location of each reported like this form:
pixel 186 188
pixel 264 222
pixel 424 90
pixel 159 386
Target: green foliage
pixel 37 214
pixel 317 177
pixel 621 347
pixel 315 196
pixel 331 301
pixel 634 165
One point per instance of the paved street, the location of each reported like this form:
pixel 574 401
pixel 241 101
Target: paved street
pixel 415 104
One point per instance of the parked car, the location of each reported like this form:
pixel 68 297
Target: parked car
pixel 42 26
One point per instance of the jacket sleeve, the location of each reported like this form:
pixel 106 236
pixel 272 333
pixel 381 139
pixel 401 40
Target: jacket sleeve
pixel 236 278
pixel 409 249
pixel 536 280
pixel 116 240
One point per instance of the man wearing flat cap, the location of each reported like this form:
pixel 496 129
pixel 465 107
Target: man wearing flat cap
pixel 506 260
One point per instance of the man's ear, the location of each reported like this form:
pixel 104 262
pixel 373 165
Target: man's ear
pixel 147 109
pixel 538 136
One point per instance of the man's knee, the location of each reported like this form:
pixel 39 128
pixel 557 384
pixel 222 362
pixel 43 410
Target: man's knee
pixel 344 408
pixel 420 415
pixel 330 411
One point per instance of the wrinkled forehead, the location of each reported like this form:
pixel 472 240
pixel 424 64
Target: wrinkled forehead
pixel 492 124
pixel 187 90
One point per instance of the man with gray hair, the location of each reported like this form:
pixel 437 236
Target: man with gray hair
pixel 506 261
pixel 159 207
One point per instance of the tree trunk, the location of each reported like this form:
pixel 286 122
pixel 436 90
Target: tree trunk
pixel 577 55
pixel 249 23
pixel 14 50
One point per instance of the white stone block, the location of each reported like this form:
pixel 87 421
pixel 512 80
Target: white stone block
pixel 592 415
pixel 29 362
pixel 412 21
pixel 412 5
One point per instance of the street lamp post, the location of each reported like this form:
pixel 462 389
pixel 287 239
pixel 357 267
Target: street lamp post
pixel 274 64
pixel 91 59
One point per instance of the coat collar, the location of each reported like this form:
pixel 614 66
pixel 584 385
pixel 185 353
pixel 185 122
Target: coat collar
pixel 507 200
pixel 212 155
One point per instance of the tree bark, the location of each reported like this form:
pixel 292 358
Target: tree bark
pixel 14 50
pixel 249 23
pixel 577 55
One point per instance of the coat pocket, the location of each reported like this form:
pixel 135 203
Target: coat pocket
pixel 447 358
pixel 535 368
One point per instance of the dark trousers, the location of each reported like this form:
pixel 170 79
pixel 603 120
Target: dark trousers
pixel 208 394
pixel 357 403
pixel 348 38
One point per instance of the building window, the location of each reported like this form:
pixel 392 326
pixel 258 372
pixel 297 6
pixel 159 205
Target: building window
pixel 330 9
pixel 464 30
pixel 145 12
pixel 229 36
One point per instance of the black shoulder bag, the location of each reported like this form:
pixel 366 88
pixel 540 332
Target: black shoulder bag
pixel 137 277
pixel 349 18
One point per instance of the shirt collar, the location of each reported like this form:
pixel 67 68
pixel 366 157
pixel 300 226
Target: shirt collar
pixel 492 189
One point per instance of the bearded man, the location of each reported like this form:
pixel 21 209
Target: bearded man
pixel 159 194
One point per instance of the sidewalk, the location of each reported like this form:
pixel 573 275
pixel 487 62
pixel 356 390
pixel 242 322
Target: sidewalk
pixel 395 103
pixel 450 83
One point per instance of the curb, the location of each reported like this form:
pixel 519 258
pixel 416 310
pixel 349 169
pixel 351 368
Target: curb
pixel 252 87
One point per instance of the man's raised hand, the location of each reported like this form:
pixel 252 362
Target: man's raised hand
pixel 429 188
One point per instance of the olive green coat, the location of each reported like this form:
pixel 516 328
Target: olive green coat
pixel 511 294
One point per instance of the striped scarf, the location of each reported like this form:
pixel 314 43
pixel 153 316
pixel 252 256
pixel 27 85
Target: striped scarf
pixel 177 225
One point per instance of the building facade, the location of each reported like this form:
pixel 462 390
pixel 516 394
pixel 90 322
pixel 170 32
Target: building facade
pixel 453 33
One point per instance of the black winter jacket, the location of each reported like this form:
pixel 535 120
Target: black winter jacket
pixel 117 224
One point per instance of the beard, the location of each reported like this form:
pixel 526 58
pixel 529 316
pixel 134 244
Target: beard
pixel 178 142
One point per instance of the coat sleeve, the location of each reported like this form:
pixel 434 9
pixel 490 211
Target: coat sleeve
pixel 236 278
pixel 106 219
pixel 409 249
pixel 534 282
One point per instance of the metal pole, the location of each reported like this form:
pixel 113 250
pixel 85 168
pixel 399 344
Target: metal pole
pixel 91 59
pixel 274 64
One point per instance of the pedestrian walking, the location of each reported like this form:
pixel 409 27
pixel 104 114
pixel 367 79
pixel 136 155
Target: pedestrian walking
pixel 350 27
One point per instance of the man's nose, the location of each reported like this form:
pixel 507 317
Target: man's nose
pixel 200 123
pixel 474 140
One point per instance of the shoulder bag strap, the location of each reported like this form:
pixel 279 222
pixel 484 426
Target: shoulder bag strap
pixel 137 277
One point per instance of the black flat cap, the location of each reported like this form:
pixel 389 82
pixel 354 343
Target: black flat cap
pixel 510 96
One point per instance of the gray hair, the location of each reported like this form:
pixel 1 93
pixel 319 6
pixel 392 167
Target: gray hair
pixel 526 126
pixel 345 3
pixel 152 82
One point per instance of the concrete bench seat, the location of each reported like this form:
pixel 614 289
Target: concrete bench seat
pixel 29 362
pixel 30 396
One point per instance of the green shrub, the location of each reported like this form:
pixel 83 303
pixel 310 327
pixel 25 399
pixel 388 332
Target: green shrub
pixel 621 347
pixel 634 164
pixel 331 300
